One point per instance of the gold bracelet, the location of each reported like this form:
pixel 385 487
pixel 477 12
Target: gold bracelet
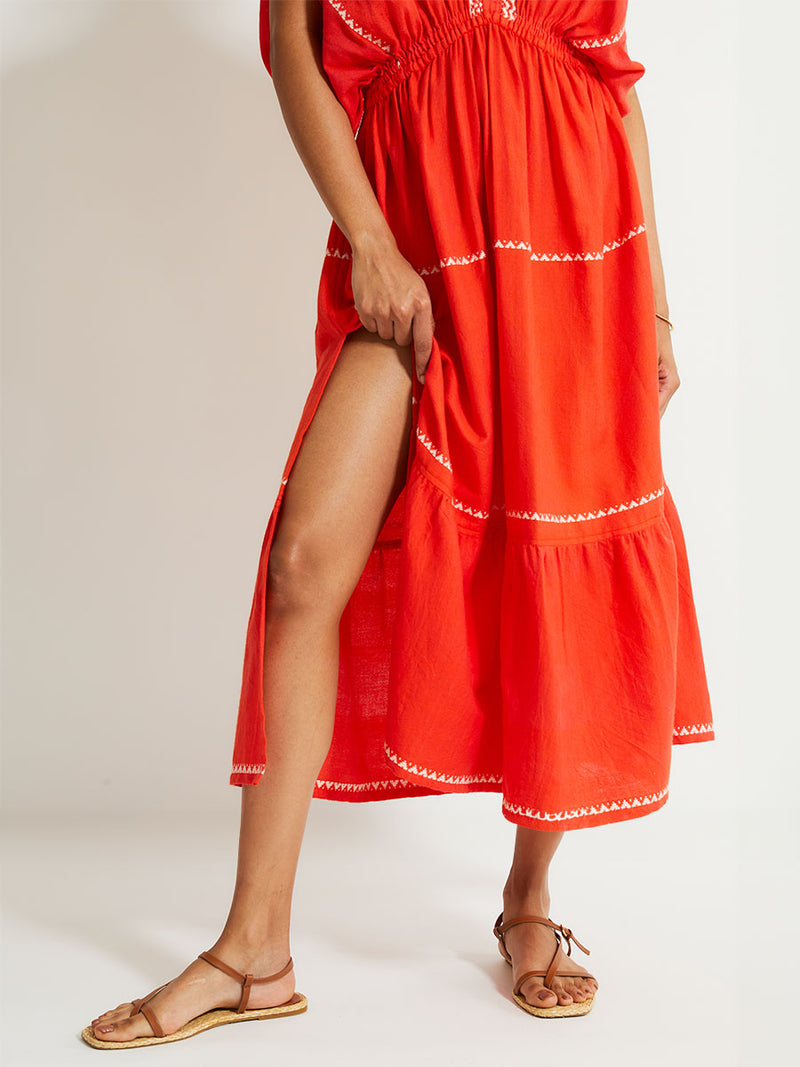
pixel 664 317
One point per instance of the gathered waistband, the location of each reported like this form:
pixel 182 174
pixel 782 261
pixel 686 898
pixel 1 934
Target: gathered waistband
pixel 442 34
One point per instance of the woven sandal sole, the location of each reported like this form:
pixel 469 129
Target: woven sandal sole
pixel 210 1019
pixel 557 1011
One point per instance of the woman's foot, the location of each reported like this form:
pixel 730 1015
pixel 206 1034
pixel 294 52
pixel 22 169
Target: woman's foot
pixel 531 945
pixel 201 988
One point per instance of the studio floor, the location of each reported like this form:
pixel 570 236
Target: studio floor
pixel 392 940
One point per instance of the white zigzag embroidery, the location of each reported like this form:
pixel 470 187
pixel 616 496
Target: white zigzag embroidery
pixel 517 246
pixel 464 779
pixel 360 787
pixel 537 516
pixel 509 9
pixel 571 257
pixel 578 813
pixel 698 728
pixel 475 7
pixel 596 42
pixel 434 451
pixel 344 787
pixel 453 261
pixel 477 512
pixel 518 809
pixel 583 516
pixel 342 11
pixel 425 772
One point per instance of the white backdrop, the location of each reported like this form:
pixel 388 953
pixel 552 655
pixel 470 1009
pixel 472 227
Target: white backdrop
pixel 162 245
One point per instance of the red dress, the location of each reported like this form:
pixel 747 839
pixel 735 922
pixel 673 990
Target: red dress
pixel 525 622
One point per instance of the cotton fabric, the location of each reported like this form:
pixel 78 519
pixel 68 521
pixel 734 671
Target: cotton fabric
pixel 525 623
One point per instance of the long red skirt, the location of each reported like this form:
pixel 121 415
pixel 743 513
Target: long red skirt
pixel 525 622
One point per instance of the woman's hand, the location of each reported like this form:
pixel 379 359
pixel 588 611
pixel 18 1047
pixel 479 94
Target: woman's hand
pixel 668 380
pixel 392 300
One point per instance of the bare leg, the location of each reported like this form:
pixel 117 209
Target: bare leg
pixel 349 470
pixel 531 945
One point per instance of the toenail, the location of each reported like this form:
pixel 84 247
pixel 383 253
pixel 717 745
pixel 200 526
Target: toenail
pixel 104 1029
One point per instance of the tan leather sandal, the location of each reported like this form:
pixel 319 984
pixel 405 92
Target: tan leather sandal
pixel 296 1004
pixel 556 1011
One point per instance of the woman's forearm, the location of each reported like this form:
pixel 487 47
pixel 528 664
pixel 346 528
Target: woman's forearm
pixel 319 126
pixel 637 138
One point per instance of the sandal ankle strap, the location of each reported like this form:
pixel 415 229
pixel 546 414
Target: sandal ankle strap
pixel 247 980
pixel 560 930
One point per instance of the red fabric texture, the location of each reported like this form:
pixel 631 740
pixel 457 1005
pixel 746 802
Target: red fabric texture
pixel 525 622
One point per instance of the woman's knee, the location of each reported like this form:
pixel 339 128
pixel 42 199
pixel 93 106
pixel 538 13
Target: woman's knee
pixel 302 576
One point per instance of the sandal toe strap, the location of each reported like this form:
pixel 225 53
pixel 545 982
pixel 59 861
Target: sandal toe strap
pixel 141 1007
pixel 152 1018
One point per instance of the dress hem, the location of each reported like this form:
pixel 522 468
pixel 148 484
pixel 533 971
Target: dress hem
pixel 409 784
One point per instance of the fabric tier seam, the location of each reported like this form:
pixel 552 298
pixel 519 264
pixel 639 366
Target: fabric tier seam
pixel 490 528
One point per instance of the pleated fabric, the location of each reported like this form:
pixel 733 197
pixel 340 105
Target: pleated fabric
pixel 525 623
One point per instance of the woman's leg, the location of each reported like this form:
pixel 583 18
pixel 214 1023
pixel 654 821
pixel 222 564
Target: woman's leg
pixel 350 468
pixel 531 945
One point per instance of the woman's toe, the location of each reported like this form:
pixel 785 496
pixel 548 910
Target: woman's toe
pixel 560 991
pixel 123 1029
pixel 538 995
pixel 107 1016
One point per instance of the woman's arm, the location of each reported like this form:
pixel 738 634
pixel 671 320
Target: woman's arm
pixel 668 380
pixel 390 297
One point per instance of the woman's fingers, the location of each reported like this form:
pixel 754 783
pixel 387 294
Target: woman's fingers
pixel 423 340
pixel 668 379
pixel 668 383
pixel 414 324
pixel 392 300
